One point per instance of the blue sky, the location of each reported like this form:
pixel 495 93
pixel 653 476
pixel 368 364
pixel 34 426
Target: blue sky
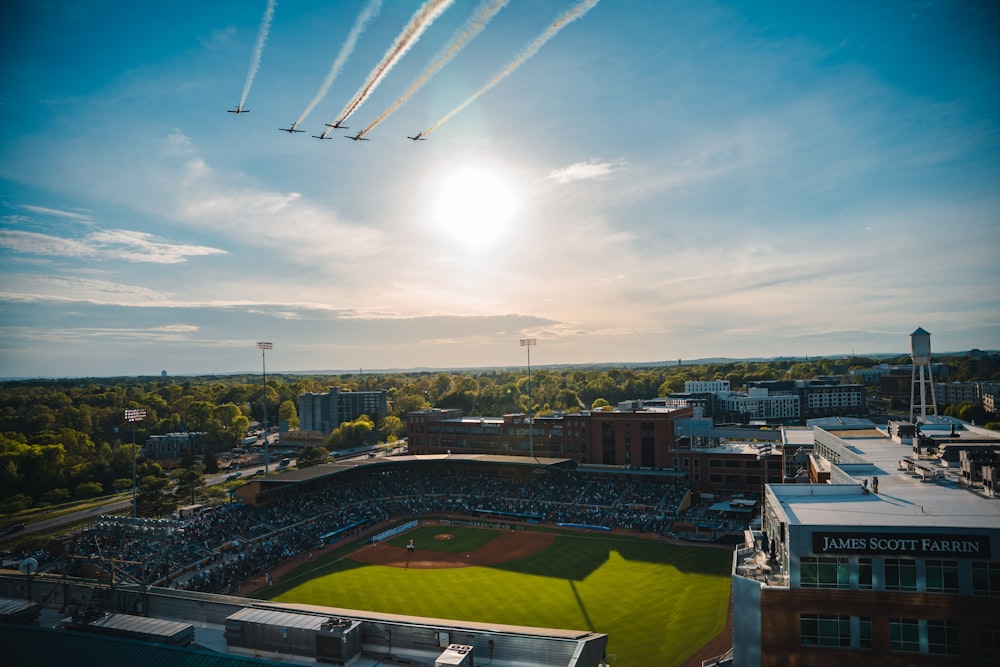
pixel 661 180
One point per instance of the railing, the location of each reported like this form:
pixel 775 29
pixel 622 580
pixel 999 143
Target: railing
pixel 724 659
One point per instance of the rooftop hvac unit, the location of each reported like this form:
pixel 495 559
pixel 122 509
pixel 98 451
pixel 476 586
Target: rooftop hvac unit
pixel 338 640
pixel 456 655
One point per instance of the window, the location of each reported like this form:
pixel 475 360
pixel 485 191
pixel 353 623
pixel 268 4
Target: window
pixel 900 574
pixel 942 576
pixel 904 635
pixel 865 632
pixel 986 579
pixel 825 630
pixel 989 644
pixel 824 572
pixel 865 574
pixel 942 637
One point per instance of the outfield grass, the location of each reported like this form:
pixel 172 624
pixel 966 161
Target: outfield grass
pixel 658 603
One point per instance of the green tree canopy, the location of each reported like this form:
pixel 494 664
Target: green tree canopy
pixel 310 456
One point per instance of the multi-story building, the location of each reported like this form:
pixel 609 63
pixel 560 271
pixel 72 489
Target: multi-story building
pixel 894 560
pixel 630 436
pixel 325 412
pixel 759 404
pixel 872 376
pixel 823 397
pixel 173 445
pixel 957 393
pixel 706 386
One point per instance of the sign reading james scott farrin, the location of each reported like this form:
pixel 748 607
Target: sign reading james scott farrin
pixel 902 544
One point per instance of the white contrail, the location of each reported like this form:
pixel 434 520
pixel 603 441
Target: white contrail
pixel 258 48
pixel 366 15
pixel 487 10
pixel 420 21
pixel 550 32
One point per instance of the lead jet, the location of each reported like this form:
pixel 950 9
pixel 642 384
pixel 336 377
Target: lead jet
pixel 420 137
pixel 239 109
pixel 337 125
pixel 291 128
pixel 357 137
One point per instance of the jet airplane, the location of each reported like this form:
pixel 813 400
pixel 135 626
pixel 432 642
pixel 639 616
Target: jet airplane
pixel 291 128
pixel 321 136
pixel 337 125
pixel 357 137
pixel 239 109
pixel 420 137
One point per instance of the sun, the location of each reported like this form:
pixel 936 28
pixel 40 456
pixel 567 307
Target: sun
pixel 475 205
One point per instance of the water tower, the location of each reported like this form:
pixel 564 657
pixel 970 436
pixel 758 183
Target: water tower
pixel 920 353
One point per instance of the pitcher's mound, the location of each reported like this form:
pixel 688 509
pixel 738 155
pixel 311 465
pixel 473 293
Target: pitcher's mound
pixel 509 546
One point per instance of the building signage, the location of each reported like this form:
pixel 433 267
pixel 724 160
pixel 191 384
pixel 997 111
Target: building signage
pixel 902 544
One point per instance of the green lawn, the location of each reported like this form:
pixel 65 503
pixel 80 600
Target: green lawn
pixel 658 603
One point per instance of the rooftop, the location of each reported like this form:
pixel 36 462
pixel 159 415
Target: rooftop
pixel 905 498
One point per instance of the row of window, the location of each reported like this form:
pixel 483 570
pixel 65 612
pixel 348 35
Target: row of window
pixel 899 574
pixel 906 635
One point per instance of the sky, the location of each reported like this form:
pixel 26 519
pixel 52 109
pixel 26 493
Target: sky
pixel 639 181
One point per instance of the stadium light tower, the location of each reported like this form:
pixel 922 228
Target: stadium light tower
pixel 528 342
pixel 134 415
pixel 263 346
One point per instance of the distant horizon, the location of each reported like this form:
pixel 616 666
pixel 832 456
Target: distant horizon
pixel 430 369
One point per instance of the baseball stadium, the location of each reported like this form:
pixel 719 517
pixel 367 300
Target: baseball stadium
pixel 431 560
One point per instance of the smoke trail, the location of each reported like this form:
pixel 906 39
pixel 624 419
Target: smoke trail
pixel 367 14
pixel 258 48
pixel 571 15
pixel 472 27
pixel 407 38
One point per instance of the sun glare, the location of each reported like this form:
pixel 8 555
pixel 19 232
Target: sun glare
pixel 474 205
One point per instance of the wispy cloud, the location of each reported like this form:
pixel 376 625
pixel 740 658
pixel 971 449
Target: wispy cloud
pixel 33 288
pixel 105 245
pixel 42 210
pixel 581 171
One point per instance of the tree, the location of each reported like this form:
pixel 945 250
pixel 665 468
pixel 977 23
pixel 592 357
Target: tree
pixel 16 503
pixel 189 482
pixel 210 463
pixel 310 456
pixel 56 496
pixel 88 490
pixel 152 497
pixel 121 484
pixel 288 412
pixel 599 403
pixel 391 428
pixel 351 434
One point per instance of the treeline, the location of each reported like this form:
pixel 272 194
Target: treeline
pixel 69 438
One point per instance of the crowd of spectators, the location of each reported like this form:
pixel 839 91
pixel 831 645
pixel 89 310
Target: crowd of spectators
pixel 217 550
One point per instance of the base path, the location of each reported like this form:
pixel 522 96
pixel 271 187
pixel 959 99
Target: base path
pixel 510 545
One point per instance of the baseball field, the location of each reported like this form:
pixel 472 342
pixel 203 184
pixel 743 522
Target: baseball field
pixel 657 602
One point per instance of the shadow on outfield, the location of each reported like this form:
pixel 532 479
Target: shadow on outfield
pixel 583 607
pixel 576 557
